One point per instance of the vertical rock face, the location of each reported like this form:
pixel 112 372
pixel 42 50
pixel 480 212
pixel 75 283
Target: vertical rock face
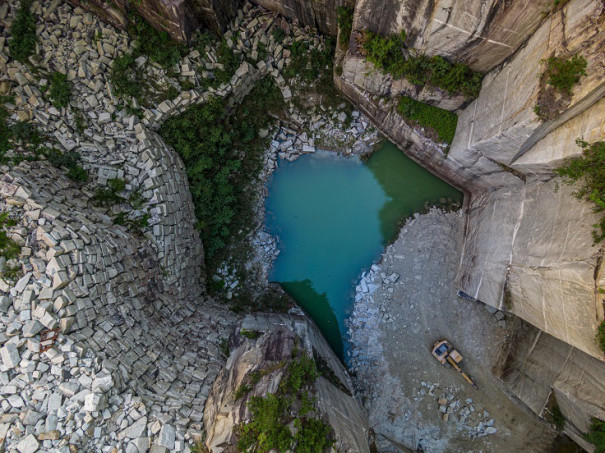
pixel 179 18
pixel 479 33
pixel 320 14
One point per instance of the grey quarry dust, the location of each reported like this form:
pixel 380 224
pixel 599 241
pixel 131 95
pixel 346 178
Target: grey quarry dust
pixel 404 305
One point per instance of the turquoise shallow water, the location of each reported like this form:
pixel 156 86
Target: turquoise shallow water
pixel 333 217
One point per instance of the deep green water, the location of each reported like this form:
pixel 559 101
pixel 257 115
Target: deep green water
pixel 333 217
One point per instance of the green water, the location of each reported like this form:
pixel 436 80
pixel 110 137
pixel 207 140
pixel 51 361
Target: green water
pixel 333 217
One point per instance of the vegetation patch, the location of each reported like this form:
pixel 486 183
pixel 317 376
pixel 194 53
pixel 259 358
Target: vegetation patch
pixel 556 84
pixel 69 160
pixel 110 195
pixel 441 122
pixel 324 370
pixel 126 78
pixel 9 249
pixel 229 62
pixel 223 154
pixel 22 41
pixel 250 334
pixel 313 69
pixel 554 414
pixel 601 336
pixel 284 420
pixel 596 435
pixel 345 23
pixel 157 45
pixel 60 90
pixel 588 170
pixel 391 55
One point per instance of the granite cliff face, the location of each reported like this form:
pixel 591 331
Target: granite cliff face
pixel 179 18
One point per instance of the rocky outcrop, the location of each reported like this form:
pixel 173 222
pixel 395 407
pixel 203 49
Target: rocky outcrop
pixel 278 336
pixel 320 14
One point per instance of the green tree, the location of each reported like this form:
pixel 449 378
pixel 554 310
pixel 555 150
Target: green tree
pixel 22 41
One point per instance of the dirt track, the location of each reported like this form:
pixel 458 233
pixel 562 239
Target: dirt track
pixel 393 330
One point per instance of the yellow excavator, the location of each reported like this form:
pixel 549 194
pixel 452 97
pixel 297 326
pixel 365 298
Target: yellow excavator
pixel 447 355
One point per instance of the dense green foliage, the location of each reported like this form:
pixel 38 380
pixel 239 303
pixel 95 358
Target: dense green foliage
pixel 125 77
pixel 69 160
pixel 596 435
pixel 22 41
pixel 564 73
pixel 110 195
pixel 309 64
pixel 554 414
pixel 29 140
pixel 272 415
pixel 442 122
pixel 230 62
pixel 222 154
pixel 157 45
pixel 278 34
pixel 588 170
pixel 9 249
pixel 387 54
pixel 5 132
pixel 60 90
pixel 345 22
pixel 251 334
pixel 601 336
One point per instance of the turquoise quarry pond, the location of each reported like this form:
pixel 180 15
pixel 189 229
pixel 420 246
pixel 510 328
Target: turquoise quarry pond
pixel 333 217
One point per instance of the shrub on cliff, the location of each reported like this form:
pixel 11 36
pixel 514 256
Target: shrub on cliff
pixel 563 73
pixel 272 416
pixel 345 22
pixel 9 249
pixel 596 435
pixel 390 55
pixel 588 170
pixel 157 45
pixel 125 77
pixel 22 42
pixel 601 336
pixel 441 122
pixel 556 84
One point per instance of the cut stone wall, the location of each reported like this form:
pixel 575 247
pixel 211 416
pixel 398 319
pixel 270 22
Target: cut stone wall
pixel 520 230
pixel 539 366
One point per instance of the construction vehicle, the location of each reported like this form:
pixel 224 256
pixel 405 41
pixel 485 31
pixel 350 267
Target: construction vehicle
pixel 448 356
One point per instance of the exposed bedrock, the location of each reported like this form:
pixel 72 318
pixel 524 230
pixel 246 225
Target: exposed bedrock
pixel 320 14
pixel 540 368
